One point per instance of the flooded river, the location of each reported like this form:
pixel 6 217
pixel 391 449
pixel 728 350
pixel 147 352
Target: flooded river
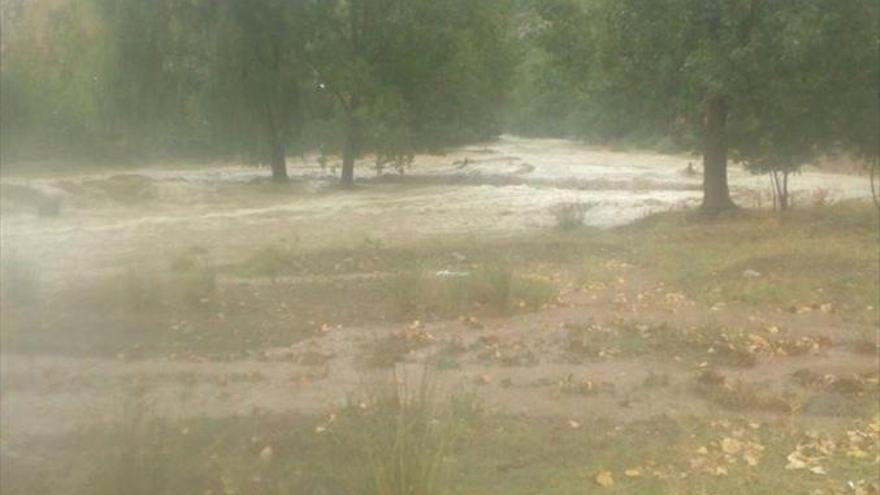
pixel 509 186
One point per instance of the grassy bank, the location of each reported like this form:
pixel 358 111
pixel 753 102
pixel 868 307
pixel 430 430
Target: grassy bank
pixel 822 259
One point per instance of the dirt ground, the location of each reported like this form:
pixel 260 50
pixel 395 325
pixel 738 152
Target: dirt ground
pixel 568 359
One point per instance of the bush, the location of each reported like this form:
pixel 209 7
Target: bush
pixel 570 216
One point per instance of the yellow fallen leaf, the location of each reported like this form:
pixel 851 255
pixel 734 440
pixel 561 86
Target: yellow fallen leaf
pixel 857 453
pixel 731 445
pixel 795 462
pixel 633 472
pixel 818 470
pixel 604 479
pixel 266 454
pixel 875 424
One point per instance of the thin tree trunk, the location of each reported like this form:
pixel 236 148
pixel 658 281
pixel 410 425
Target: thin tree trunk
pixel 774 189
pixel 873 169
pixel 783 193
pixel 716 194
pixel 347 179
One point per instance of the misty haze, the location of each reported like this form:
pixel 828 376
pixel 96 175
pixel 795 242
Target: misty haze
pixel 430 247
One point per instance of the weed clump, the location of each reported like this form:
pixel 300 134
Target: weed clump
pixel 402 436
pixel 496 288
pixel 570 216
pixel 739 396
pixel 270 261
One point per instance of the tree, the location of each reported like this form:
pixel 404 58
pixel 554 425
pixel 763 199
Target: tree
pixel 733 74
pixel 255 78
pixel 822 93
pixel 50 76
pixel 402 80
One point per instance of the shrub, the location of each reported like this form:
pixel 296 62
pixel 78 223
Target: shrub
pixel 570 216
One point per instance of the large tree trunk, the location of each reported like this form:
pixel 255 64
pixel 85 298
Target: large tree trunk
pixel 349 153
pixel 279 164
pixel 716 195
pixel 276 143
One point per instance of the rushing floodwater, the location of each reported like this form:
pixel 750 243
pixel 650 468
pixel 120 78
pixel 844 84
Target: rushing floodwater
pixel 507 186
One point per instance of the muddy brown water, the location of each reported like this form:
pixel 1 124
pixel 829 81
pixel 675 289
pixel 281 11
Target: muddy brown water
pixel 508 186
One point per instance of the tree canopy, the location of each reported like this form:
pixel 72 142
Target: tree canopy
pixel 770 84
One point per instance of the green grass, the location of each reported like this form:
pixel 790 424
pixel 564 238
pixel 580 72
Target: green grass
pixel 402 437
pixel 810 256
pixel 414 446
pixel 494 287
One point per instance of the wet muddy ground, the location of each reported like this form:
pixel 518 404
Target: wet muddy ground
pixel 212 295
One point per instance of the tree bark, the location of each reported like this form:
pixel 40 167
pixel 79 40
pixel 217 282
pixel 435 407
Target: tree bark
pixel 276 143
pixel 349 152
pixel 716 195
pixel 347 179
pixel 875 193
pixel 279 164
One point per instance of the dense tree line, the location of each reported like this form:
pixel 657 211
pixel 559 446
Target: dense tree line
pixel 260 79
pixel 770 84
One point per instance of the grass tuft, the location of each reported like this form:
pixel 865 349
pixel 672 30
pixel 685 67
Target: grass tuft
pixel 570 216
pixel 402 438
pixel 493 287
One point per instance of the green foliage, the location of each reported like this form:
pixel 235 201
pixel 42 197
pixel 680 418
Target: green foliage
pixel 799 78
pixel 132 79
pixel 570 216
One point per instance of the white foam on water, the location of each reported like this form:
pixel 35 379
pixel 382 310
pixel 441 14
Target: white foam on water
pixel 508 186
